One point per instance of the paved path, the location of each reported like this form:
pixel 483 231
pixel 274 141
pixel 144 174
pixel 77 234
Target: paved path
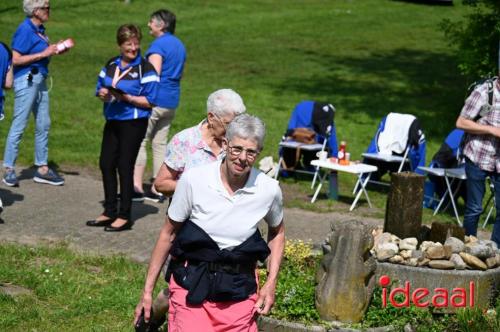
pixel 37 213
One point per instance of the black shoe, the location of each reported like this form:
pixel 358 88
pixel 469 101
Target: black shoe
pixel 100 223
pixel 137 197
pixel 124 227
pixel 157 198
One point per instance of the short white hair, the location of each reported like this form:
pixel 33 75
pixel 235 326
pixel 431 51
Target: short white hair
pixel 225 102
pixel 247 126
pixel 29 6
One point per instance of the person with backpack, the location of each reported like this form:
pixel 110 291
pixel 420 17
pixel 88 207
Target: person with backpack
pixel 128 86
pixel 480 119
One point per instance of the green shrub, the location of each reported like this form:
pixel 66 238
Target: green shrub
pixel 296 284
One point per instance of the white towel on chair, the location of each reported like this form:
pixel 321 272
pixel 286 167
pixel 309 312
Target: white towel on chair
pixel 394 138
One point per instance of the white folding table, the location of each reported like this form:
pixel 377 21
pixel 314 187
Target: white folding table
pixel 360 170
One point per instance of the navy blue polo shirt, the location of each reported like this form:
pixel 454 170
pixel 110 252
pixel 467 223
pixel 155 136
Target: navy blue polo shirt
pixel 30 39
pixel 141 80
pixel 173 53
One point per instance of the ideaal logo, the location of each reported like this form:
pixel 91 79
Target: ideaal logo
pixel 440 297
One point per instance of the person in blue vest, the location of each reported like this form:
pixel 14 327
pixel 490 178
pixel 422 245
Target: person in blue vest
pixel 127 85
pixel 168 55
pixel 211 232
pixel 6 78
pixel 31 52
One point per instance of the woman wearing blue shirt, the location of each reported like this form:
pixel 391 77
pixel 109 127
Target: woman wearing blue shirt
pixel 167 54
pixel 31 52
pixel 128 86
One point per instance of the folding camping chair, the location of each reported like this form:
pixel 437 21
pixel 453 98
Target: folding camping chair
pixel 399 141
pixel 318 117
pixel 448 157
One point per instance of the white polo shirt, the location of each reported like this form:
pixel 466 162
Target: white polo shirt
pixel 229 220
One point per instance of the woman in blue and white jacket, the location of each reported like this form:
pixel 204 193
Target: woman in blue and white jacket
pixel 127 85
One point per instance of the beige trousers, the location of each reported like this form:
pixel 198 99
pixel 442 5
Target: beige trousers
pixel 157 133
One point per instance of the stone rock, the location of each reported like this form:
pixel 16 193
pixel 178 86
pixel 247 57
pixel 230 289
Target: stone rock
pixel 409 328
pixel 346 276
pixel 417 254
pixel 381 238
pixel 473 261
pixel 456 244
pixel 479 250
pixel 440 232
pixel 427 244
pixel 397 259
pixel 441 264
pixel 435 252
pixel 492 244
pixel 410 243
pixel 447 251
pixel 423 261
pixel 497 256
pixel 458 261
pixel 405 253
pixel 412 262
pixel 14 290
pixel 386 250
pixel 395 239
pixel 470 239
pixel 491 262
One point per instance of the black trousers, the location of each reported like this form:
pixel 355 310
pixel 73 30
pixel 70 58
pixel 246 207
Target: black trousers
pixel 120 144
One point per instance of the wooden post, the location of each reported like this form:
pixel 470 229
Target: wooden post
pixel 403 214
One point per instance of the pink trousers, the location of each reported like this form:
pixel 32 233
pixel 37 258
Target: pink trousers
pixel 231 316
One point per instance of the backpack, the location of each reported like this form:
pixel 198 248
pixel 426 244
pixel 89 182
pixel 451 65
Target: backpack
pixel 486 108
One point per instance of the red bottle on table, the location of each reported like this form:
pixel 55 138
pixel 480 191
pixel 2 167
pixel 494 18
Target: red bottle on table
pixel 341 154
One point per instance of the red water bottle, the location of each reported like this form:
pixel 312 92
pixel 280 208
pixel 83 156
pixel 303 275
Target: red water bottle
pixel 341 154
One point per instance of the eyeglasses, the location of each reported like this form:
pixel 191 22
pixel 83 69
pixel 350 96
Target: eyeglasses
pixel 237 150
pixel 47 8
pixel 224 124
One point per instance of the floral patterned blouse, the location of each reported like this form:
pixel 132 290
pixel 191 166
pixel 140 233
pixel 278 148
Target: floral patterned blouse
pixel 187 149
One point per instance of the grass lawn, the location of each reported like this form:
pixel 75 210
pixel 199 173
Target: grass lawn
pixel 67 291
pixel 367 57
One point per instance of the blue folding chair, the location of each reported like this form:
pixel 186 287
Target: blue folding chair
pixel 318 117
pixel 409 154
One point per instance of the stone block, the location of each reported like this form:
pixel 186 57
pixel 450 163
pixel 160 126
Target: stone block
pixel 440 232
pixel 485 282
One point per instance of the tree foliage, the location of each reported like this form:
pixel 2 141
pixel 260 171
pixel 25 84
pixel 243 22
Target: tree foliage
pixel 477 38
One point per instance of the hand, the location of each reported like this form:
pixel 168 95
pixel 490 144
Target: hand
pixel 50 50
pixel 104 95
pixel 145 302
pixel 265 299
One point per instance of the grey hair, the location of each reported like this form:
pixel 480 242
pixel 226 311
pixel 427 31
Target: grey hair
pixel 225 102
pixel 247 126
pixel 29 6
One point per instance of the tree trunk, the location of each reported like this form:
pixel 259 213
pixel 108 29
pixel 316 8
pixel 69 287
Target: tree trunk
pixel 403 214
